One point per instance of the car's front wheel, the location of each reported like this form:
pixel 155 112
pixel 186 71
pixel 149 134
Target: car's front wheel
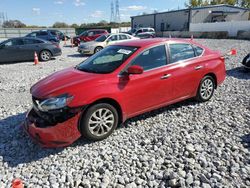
pixel 99 121
pixel 45 55
pixel 97 49
pixel 206 89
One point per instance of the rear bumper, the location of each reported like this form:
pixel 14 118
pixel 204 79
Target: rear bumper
pixel 59 135
pixel 57 52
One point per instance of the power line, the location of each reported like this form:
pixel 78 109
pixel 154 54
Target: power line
pixel 117 12
pixel 112 17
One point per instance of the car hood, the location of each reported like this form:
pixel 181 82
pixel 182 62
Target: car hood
pixel 62 82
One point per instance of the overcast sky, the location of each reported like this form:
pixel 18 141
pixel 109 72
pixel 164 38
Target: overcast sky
pixel 46 12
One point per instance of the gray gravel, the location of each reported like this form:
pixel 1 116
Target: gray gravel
pixel 188 144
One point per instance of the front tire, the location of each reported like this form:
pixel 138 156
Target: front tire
pixel 99 121
pixel 97 49
pixel 45 55
pixel 206 89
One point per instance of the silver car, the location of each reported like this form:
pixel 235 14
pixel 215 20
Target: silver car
pixel 103 41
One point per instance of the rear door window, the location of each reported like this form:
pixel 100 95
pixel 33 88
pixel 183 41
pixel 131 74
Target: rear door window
pixel 198 50
pixel 113 38
pixel 180 52
pixel 42 33
pixel 123 37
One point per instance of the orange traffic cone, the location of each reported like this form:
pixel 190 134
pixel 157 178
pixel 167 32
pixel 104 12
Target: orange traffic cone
pixel 17 183
pixel 35 59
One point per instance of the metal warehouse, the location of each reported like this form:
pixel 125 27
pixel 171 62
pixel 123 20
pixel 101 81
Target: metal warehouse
pixel 180 20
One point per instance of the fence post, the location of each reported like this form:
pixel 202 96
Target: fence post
pixel 5 33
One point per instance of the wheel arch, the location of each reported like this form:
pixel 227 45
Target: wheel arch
pixel 46 49
pixel 98 47
pixel 214 77
pixel 110 101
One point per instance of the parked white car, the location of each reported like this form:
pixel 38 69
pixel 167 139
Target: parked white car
pixel 103 41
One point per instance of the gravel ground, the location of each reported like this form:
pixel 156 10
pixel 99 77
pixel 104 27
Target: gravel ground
pixel 188 144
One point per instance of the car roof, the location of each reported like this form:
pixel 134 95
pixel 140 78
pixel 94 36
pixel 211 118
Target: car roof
pixel 96 30
pixel 154 41
pixel 32 38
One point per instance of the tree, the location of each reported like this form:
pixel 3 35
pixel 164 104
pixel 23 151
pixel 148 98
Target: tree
pixel 197 3
pixel 74 25
pixel 13 24
pixel 245 3
pixel 60 25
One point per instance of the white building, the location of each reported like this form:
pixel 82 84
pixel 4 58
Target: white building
pixel 180 20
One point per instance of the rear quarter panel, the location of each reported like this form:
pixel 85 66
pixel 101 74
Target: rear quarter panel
pixel 215 64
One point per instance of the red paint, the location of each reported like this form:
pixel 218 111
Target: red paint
pixel 63 134
pixel 135 93
pixel 78 39
pixel 233 52
pixel 17 183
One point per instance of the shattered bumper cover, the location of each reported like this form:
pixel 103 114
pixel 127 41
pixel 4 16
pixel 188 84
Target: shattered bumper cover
pixel 60 134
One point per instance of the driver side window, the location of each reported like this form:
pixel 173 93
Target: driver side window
pixel 113 38
pixel 9 43
pixel 152 58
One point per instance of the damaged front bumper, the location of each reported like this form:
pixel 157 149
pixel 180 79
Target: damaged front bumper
pixel 52 130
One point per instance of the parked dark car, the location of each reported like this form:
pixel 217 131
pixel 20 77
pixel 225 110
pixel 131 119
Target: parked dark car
pixel 246 62
pixel 23 48
pixel 59 34
pixel 89 35
pixel 46 35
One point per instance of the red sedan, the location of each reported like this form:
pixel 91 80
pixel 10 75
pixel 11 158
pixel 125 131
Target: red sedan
pixel 119 82
pixel 89 35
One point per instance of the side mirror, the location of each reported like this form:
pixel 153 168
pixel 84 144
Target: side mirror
pixel 135 69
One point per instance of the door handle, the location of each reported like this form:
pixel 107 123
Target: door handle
pixel 165 76
pixel 198 67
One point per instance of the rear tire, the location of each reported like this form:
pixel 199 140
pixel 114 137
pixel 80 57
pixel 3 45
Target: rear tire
pixel 45 55
pixel 99 121
pixel 246 62
pixel 206 89
pixel 97 49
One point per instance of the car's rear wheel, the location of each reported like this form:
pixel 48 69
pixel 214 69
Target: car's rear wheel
pixel 206 89
pixel 97 49
pixel 45 55
pixel 246 62
pixel 99 121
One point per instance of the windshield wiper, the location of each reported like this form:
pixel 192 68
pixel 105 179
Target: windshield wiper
pixel 87 70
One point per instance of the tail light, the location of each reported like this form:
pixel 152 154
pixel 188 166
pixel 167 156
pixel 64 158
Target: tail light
pixel 222 58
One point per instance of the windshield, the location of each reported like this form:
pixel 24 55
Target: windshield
pixel 132 31
pixel 84 33
pixel 102 38
pixel 107 60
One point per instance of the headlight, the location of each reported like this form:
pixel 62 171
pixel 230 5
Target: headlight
pixel 55 103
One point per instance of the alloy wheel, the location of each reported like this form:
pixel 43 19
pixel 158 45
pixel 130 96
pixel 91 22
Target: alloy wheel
pixel 101 122
pixel 207 88
pixel 45 55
